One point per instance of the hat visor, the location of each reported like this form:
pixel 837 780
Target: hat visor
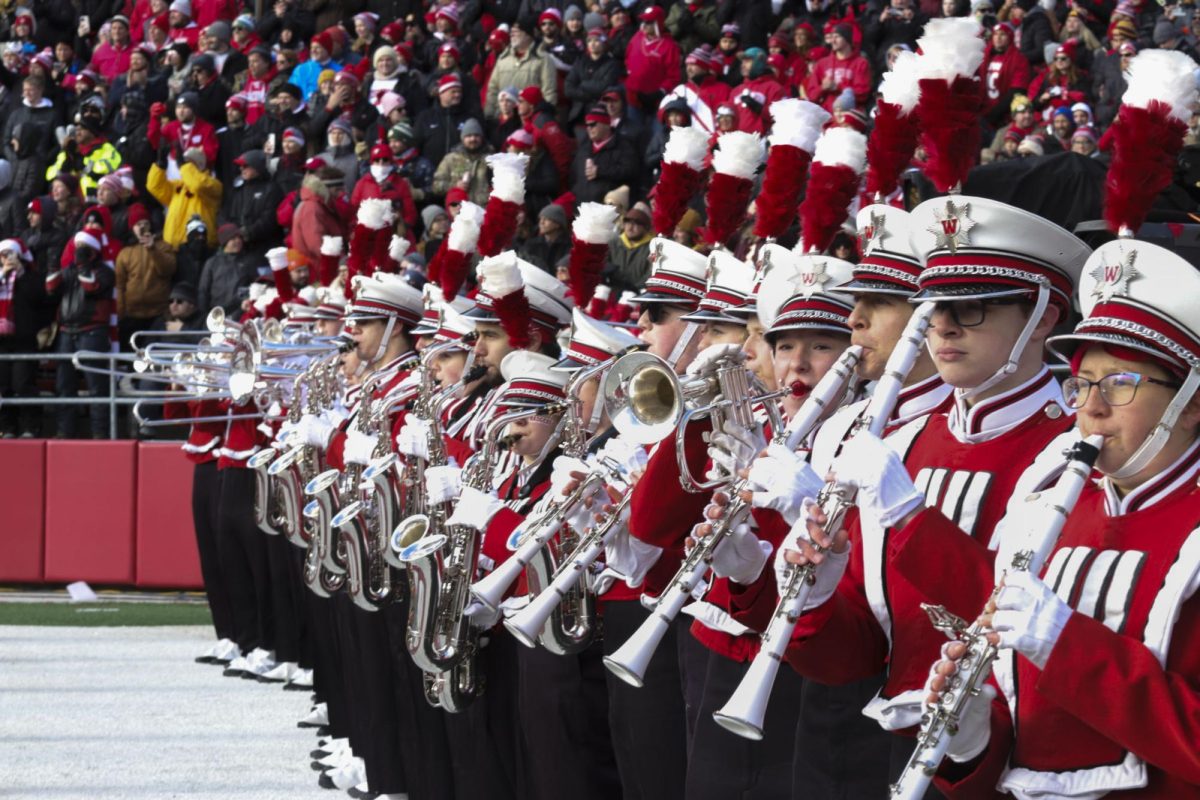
pixel 1064 346
pixel 354 316
pixel 972 291
pixel 567 365
pixel 480 314
pixel 867 286
pixel 707 315
pixel 423 329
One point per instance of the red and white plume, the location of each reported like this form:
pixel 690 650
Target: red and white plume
pixel 797 124
pixel 397 249
pixel 505 202
pixel 681 177
pixel 369 225
pixel 837 169
pixel 500 278
pixel 598 306
pixel 951 99
pixel 736 159
pixel 454 256
pixel 331 253
pixel 894 137
pixel 1148 135
pixel 590 233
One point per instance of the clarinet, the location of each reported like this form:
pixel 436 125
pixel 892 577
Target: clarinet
pixel 940 722
pixel 630 661
pixel 746 709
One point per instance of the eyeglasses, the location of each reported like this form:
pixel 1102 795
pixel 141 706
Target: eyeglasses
pixel 970 313
pixel 590 124
pixel 1117 389
pixel 176 301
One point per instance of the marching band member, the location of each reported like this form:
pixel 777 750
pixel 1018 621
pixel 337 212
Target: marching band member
pixel 1115 609
pixel 1002 278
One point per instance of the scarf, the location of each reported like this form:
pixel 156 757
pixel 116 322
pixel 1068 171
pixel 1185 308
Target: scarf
pixel 8 284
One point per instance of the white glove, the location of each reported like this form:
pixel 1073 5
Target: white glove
pixel 359 447
pixel 974 724
pixel 741 556
pixel 734 448
pixel 710 355
pixel 1029 617
pixel 313 429
pixel 443 483
pixel 631 456
pixel 283 436
pixel 413 438
pixel 781 480
pixel 827 575
pixel 475 509
pixel 481 616
pixel 561 475
pixel 885 491
pixel 629 556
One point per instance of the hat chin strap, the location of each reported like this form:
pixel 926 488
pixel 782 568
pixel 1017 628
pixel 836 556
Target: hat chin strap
pixel 685 339
pixel 1154 443
pixel 383 343
pixel 1014 356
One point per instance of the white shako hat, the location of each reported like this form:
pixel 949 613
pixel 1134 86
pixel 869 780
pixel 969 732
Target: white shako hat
pixel 531 380
pixel 796 295
pixel 435 302
pixel 974 248
pixel 549 305
pixel 889 264
pixel 678 276
pixel 385 295
pixel 730 284
pixel 454 327
pixel 593 342
pixel 331 303
pixel 769 255
pixel 1142 297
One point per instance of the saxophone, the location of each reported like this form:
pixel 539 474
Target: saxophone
pixel 324 559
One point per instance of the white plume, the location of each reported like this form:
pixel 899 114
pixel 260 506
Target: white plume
pixel 797 123
pixel 899 86
pixel 686 146
pixel 603 292
pixel 265 299
pixel 398 247
pixel 627 297
pixel 277 258
pixel 1168 76
pixel 508 176
pixel 308 294
pixel 464 231
pixel 950 47
pixel 499 276
pixel 842 146
pixel 594 223
pixel 738 154
pixel 331 245
pixel 375 213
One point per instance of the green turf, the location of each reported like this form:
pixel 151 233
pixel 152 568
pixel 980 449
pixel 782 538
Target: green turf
pixel 104 614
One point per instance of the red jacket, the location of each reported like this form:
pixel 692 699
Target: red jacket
pixel 652 65
pixel 394 188
pixel 1003 73
pixel 853 73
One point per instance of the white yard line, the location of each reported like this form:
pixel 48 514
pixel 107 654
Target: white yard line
pixel 116 713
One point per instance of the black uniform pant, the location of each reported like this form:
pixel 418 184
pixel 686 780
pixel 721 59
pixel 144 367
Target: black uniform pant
pixel 693 667
pixel 424 748
pixel 328 675
pixel 243 555
pixel 841 754
pixel 565 701
pixel 206 495
pixel 375 706
pixel 487 742
pixel 724 765
pixel 648 725
pixel 285 600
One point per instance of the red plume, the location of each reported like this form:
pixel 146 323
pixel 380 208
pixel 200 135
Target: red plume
pixel 677 184
pixel 381 260
pixel 949 128
pixel 513 311
pixel 499 226
pixel 831 187
pixel 586 265
pixel 727 201
pixel 889 148
pixel 453 267
pixel 362 243
pixel 783 183
pixel 1146 147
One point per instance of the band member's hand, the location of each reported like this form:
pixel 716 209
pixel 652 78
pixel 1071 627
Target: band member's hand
pixel 974 723
pixel 313 430
pixel 475 509
pixel 733 448
pixel 1029 616
pixel 359 447
pixel 741 556
pixel 781 479
pixel 413 439
pixel 808 543
pixel 886 493
pixel 443 484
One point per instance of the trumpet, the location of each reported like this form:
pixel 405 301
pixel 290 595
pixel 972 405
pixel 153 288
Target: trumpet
pixel 629 662
pixel 940 722
pixel 744 712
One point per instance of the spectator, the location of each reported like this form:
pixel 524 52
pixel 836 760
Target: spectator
pixel 23 152
pixel 840 70
pixel 183 313
pixel 1005 73
pixel 410 164
pixel 340 152
pixel 383 181
pixel 1083 142
pixel 34 111
pixel 287 170
pixel 449 63
pixel 604 162
pixel 1061 83
pixel 183 27
pixel 317 214
pixel 652 61
pixel 1061 128
pixel 191 255
pixel 286 15
pixel 144 271
pixel 195 192
pixel 46 235
pixel 227 273
pixel 437 225
pixel 348 102
pixel 553 241
pixel 257 83
pixel 506 121
pixel 1172 35
pixel 437 128
pixel 521 65
pixel 110 195
pixel 1035 30
pixel 22 315
pixel 702 92
pixel 693 24
pixel 111 58
pixel 141 77
pixel 591 75
pixel 228 61
pixel 320 50
pixel 1112 87
pixel 465 166
pixel 130 127
pixel 11 209
pixel 211 91
pixel 898 23
pixel 231 140
pixel 88 155
pixel 542 180
pixel 284 110
pixel 252 206
pixel 629 252
pixel 757 91
pixel 185 132
pixel 403 79
pixel 83 291
pixel 244 37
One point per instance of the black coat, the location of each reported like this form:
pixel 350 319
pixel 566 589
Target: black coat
pixel 44 119
pixel 32 310
pixel 587 80
pixel 224 277
pixel 438 130
pixel 617 164
pixel 212 97
pixel 252 208
pixel 29 171
pixel 269 124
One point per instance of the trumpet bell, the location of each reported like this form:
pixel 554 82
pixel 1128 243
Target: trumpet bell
pixel 643 397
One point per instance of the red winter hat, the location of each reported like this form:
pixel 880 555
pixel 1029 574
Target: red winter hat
pixel 137 213
pixel 448 82
pixel 531 95
pixel 520 138
pixel 162 22
pixel 381 152
pixel 456 194
pixel 653 14
pixel 598 114
pixel 325 40
pixel 392 32
pixel 237 101
pixel 552 14
pixel 450 48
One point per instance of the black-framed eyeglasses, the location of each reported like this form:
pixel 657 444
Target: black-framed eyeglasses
pixel 971 313
pixel 1117 389
pixel 659 313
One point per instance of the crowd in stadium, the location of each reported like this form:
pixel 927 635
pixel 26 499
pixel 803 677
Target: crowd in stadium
pixel 154 151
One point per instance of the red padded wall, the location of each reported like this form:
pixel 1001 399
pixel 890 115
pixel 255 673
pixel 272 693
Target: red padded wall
pixel 89 511
pixel 166 541
pixel 23 530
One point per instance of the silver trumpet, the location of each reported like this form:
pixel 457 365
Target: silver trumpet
pixel 630 661
pixel 746 708
pixel 940 722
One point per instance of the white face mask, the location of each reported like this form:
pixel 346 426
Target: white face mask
pixel 380 171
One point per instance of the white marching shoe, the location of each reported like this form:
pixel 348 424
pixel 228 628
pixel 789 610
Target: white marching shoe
pixel 338 758
pixel 316 718
pixel 227 651
pixel 260 663
pixel 300 679
pixel 282 673
pixel 348 775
